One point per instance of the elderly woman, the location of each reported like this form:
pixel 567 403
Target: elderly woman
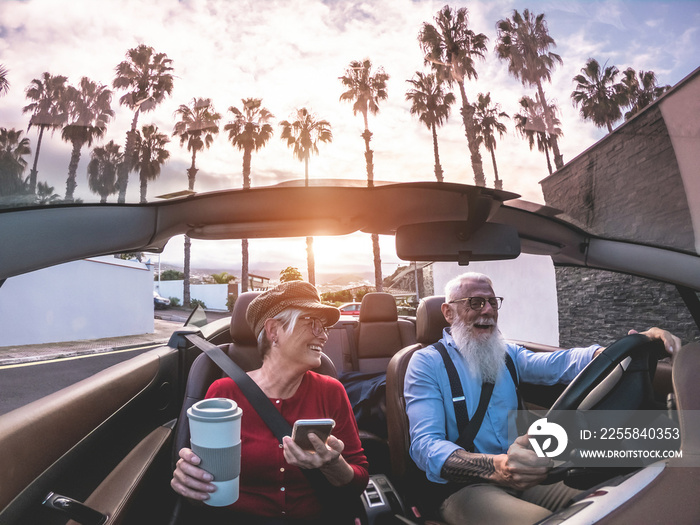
pixel 291 324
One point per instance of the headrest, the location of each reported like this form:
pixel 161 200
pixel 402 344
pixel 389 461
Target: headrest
pixel 429 320
pixel 241 332
pixel 378 307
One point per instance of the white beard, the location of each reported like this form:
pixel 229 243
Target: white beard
pixel 485 355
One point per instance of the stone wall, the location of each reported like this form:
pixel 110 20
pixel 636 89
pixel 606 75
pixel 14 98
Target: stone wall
pixel 595 306
pixel 628 185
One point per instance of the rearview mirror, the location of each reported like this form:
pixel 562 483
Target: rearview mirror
pixel 457 241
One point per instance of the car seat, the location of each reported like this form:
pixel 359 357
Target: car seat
pixel 380 333
pixel 243 350
pixel 406 475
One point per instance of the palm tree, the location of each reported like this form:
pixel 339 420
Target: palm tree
pixel 147 77
pixel 48 109
pixel 450 48
pixel 45 194
pixel 102 170
pixel 367 90
pixel 487 125
pixel 223 278
pixel 198 124
pixel 249 131
pixel 432 105
pixel 599 99
pixel 303 135
pixel 149 155
pixel 532 126
pixel 13 149
pixel 89 111
pixel 4 83
pixel 524 42
pixel 640 91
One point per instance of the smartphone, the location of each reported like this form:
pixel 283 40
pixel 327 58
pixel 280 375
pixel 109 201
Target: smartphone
pixel 302 427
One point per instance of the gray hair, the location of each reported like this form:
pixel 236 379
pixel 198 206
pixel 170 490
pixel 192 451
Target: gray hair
pixel 288 318
pixel 454 286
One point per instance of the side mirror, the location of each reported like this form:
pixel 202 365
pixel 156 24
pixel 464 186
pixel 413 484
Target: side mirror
pixel 197 318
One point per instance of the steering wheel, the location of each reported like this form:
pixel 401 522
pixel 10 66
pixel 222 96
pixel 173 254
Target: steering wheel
pixel 619 378
pixel 612 384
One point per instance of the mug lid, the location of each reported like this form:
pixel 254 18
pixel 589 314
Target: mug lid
pixel 214 409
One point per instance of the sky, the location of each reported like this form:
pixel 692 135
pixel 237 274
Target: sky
pixel 290 53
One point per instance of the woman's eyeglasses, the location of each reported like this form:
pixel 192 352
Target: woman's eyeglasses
pixel 317 326
pixel 477 303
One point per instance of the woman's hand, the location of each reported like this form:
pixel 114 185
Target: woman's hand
pixel 189 480
pixel 325 456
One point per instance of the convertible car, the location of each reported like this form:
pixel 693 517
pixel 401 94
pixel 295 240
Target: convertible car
pixel 102 450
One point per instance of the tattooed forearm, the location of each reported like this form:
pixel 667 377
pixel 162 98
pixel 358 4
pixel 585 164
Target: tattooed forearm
pixel 466 467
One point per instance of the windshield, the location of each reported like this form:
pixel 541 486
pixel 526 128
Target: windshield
pixel 137 101
pixel 163 162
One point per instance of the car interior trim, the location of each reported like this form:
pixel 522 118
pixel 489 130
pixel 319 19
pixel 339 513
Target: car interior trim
pixel 68 416
pixel 116 492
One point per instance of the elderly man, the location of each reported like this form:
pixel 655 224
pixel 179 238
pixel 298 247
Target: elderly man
pixel 502 478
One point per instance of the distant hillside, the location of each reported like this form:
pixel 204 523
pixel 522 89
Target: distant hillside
pixel 344 279
pixel 327 280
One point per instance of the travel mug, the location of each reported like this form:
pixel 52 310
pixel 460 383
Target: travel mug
pixel 215 436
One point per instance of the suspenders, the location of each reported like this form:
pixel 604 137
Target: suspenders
pixel 468 429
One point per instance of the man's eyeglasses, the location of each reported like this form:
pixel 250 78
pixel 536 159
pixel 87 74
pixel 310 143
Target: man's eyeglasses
pixel 317 326
pixel 477 303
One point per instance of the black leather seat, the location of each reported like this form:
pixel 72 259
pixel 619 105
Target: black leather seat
pixel 243 350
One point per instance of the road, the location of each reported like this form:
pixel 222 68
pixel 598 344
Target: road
pixel 23 383
pixel 24 380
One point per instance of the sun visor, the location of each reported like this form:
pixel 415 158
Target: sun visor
pixel 457 241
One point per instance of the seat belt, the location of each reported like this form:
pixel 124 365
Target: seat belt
pixel 263 406
pixel 468 429
pixel 350 359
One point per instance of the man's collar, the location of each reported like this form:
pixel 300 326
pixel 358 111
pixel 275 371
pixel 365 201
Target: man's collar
pixel 447 335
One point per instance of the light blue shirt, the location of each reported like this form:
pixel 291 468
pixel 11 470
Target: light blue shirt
pixel 432 422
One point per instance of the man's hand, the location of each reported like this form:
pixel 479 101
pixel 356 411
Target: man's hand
pixel 520 468
pixel 671 342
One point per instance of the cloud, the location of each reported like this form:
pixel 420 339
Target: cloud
pixel 612 13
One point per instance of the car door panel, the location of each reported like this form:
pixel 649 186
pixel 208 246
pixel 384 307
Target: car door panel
pixel 116 495
pixel 70 442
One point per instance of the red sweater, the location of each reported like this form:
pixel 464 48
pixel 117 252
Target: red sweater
pixel 268 485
